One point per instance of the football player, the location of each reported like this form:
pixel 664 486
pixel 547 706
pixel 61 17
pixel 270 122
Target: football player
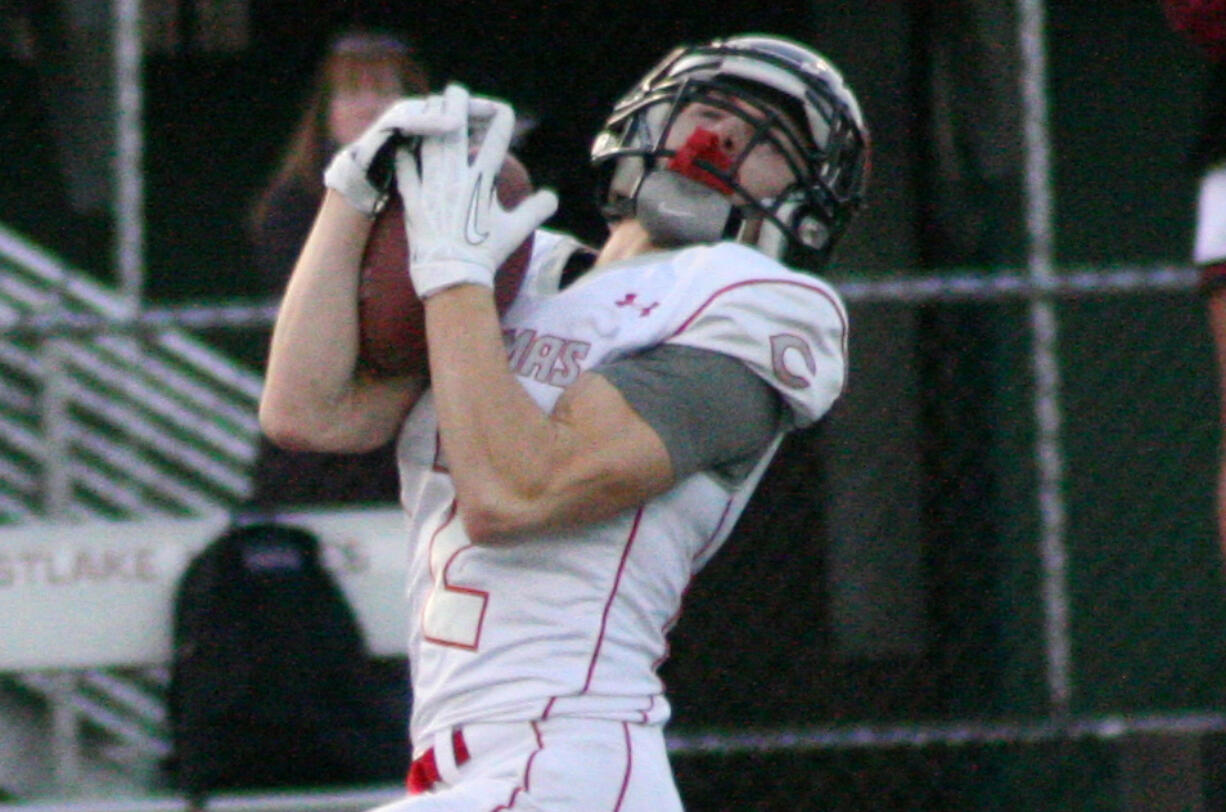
pixel 567 470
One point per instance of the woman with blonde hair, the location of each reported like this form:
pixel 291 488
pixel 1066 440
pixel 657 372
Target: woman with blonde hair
pixel 361 74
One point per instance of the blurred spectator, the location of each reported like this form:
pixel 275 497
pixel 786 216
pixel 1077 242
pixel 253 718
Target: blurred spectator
pixel 1204 23
pixel 362 72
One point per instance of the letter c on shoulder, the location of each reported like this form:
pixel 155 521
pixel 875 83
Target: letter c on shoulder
pixel 781 345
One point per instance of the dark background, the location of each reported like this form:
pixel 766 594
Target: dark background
pixel 1123 89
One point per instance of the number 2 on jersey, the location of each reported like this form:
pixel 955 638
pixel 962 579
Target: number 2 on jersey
pixel 453 613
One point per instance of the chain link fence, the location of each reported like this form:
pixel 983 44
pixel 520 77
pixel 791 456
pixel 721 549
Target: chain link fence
pixel 790 696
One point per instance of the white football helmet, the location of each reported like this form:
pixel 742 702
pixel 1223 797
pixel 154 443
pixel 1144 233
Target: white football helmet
pixel 827 147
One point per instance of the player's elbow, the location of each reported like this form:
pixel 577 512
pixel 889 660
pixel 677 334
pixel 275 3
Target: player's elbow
pixel 492 516
pixel 285 428
pixel 494 520
pixel 299 430
pixel 496 511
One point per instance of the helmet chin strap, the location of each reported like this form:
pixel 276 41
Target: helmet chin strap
pixel 686 203
pixel 676 210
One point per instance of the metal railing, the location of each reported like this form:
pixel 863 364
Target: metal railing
pixel 101 416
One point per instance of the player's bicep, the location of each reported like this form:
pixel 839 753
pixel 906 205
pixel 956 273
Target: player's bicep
pixel 711 411
pixel 617 459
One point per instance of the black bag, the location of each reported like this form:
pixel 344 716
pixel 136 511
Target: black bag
pixel 271 684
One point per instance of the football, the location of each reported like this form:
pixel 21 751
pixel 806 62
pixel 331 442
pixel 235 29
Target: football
pixel 391 320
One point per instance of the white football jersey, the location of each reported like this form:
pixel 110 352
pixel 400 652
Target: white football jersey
pixel 574 622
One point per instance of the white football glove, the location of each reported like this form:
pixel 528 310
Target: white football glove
pixel 457 230
pixel 363 170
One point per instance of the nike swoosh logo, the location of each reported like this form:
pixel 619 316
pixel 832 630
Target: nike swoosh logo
pixel 664 208
pixel 475 233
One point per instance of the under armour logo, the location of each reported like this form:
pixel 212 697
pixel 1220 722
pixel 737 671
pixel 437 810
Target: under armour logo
pixel 631 300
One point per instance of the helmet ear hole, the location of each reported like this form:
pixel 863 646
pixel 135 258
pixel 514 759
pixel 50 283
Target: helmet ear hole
pixel 801 228
pixel 813 232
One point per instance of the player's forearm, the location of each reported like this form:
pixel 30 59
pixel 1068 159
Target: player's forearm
pixel 313 398
pixel 516 468
pixel 496 439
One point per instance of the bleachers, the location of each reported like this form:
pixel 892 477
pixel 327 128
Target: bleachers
pixel 97 424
